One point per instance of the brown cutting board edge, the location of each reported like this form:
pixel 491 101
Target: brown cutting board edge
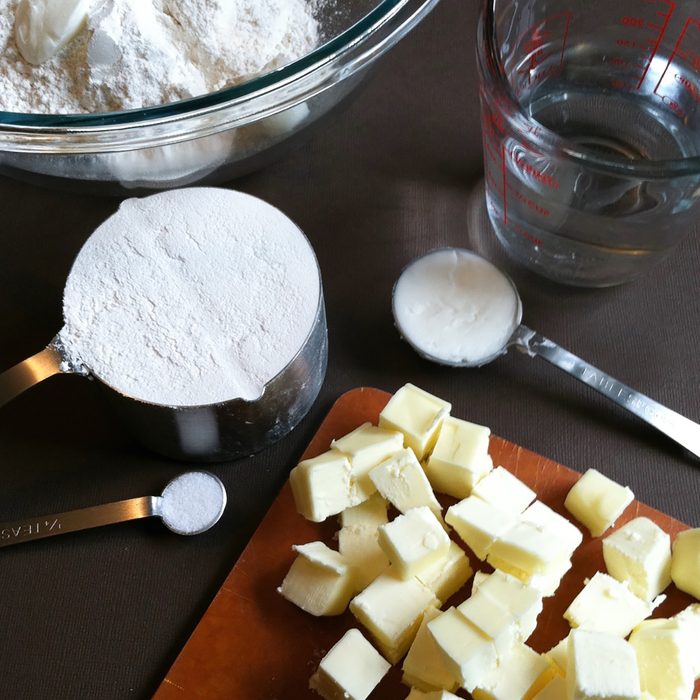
pixel 251 644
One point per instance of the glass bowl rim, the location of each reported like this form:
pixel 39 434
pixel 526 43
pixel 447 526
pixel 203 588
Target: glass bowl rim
pixel 328 50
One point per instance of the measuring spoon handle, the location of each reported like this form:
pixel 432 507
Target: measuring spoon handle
pixel 679 428
pixel 29 372
pixel 82 519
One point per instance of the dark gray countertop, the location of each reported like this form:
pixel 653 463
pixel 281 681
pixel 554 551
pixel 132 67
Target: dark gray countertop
pixel 103 614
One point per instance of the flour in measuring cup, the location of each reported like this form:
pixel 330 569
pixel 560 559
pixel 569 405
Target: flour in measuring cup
pixel 191 297
pixel 139 53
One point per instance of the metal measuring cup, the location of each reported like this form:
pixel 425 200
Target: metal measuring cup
pixel 206 433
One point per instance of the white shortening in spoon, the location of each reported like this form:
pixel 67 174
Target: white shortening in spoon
pixel 455 308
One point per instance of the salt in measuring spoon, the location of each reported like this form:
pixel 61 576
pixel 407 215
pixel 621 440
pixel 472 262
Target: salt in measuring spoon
pixel 190 504
pixel 457 309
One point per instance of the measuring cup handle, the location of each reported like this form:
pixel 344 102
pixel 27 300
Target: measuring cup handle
pixel 679 428
pixel 29 372
pixel 43 526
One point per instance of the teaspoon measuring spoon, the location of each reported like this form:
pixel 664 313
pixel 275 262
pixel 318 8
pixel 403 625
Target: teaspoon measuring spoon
pixel 164 506
pixel 424 294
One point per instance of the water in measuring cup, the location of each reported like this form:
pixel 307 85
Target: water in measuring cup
pixel 574 223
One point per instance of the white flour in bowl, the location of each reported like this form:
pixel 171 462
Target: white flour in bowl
pixel 140 53
pixel 191 297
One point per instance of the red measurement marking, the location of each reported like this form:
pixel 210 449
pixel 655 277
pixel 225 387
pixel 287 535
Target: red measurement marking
pixel 666 16
pixel 537 173
pixel 530 203
pixel 534 40
pixel 526 234
pixel 689 22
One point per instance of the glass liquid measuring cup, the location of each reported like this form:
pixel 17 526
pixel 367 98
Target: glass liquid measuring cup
pixel 591 129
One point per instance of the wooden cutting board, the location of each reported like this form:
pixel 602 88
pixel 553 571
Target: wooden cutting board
pixel 252 644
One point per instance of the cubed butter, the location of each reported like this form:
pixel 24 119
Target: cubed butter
pixel 478 523
pixel 360 547
pixel 418 415
pixel 597 501
pixel 607 605
pixel 505 491
pixel 664 655
pixel 401 480
pixel 460 458
pixel 414 541
pixel 527 549
pixel 424 666
pixel 469 654
pixel 320 580
pixel 690 619
pixel 352 669
pixel 554 690
pixel 549 520
pixel 520 675
pixel 323 486
pixel 492 619
pixel 365 447
pixel 640 553
pixel 559 655
pixel 522 602
pixel 445 577
pixel 392 610
pixel 416 694
pixel 685 563
pixel 370 513
pixel 601 667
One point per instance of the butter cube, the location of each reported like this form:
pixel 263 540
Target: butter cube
pixel 352 669
pixel 505 491
pixel 664 656
pixel 690 619
pixel 492 619
pixel 601 666
pixel 370 513
pixel 468 653
pixel 416 694
pixel 460 458
pixel 478 523
pixel 414 541
pixel 559 655
pixel 365 447
pixel 527 549
pixel 597 501
pixel 320 581
pixel 392 610
pixel 554 690
pixel 685 564
pixel 445 577
pixel 424 666
pixel 323 486
pixel 640 553
pixel 549 520
pixel 548 583
pixel 607 605
pixel 401 480
pixel 418 415
pixel 360 547
pixel 522 602
pixel 520 674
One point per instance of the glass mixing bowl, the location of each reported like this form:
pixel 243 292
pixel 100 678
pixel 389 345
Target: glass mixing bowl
pixel 215 137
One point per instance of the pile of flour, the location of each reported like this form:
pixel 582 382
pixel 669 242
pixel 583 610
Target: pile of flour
pixel 191 297
pixel 140 53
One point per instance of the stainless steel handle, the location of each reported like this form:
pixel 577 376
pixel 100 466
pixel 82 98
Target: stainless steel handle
pixel 29 372
pixel 82 519
pixel 679 428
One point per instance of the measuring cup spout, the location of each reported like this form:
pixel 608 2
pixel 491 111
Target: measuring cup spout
pixel 34 369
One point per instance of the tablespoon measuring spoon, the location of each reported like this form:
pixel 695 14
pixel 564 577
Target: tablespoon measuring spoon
pixel 190 504
pixel 457 309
